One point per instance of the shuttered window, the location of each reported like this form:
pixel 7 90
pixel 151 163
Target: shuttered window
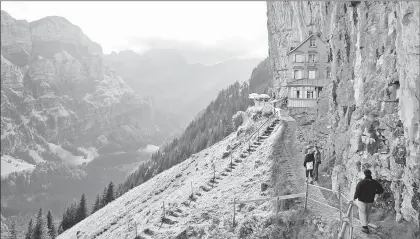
pixel 312 43
pixel 298 58
pixel 311 58
pixel 298 74
pixel 312 74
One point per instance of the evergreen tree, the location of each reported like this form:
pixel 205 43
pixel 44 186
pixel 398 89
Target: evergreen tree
pixel 41 229
pixel 72 214
pixel 110 194
pixel 97 204
pixel 30 231
pixel 65 223
pixel 13 233
pixel 51 227
pixel 103 198
pixel 81 210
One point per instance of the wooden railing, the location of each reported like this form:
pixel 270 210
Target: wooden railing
pixel 278 198
pixel 346 221
pixel 257 131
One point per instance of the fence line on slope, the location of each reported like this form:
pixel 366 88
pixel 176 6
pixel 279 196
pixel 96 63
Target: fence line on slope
pixel 346 219
pixel 257 131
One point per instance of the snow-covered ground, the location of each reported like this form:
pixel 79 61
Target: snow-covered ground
pixel 209 211
pixel 10 164
pixel 69 157
pixel 150 149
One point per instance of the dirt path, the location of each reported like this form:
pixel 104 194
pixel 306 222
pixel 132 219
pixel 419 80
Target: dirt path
pixel 295 171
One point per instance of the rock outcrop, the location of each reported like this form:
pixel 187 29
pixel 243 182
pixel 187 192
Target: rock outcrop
pixel 372 112
pixel 56 89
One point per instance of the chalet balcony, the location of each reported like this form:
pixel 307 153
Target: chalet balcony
pixel 301 103
pixel 307 82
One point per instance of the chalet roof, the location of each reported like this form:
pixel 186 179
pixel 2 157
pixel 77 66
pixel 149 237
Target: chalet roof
pixel 306 39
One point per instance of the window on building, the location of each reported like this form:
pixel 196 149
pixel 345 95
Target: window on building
pixel 328 74
pixel 298 74
pixel 311 57
pixel 312 74
pixel 297 94
pixel 319 91
pixel 312 43
pixel 298 58
pixel 309 94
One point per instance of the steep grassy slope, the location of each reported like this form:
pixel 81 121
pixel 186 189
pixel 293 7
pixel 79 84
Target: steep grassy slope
pixel 207 211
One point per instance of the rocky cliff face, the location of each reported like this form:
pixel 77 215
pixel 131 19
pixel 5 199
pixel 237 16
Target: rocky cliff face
pixel 56 89
pixel 371 107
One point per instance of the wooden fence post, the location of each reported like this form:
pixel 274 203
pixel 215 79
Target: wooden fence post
pixel 135 225
pixel 231 156
pixel 214 173
pixel 340 201
pixel 306 195
pixel 351 223
pixel 258 135
pixel 234 212
pixel 163 215
pixel 192 191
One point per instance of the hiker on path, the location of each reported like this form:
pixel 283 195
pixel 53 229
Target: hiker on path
pixel 365 195
pixel 309 164
pixel 317 163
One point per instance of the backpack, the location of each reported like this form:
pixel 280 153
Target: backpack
pixel 309 165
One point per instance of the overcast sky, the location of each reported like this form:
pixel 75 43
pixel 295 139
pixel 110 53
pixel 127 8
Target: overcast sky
pixel 238 29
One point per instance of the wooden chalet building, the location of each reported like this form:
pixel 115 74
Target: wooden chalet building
pixel 309 71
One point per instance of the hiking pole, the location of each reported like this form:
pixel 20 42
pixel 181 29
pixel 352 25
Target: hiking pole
pixel 306 195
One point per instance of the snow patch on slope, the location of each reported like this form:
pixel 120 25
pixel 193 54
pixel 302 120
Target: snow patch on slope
pixel 35 156
pixel 150 149
pixel 10 165
pixel 69 157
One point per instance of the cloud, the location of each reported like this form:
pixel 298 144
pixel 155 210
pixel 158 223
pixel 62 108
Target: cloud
pixel 197 52
pixel 216 29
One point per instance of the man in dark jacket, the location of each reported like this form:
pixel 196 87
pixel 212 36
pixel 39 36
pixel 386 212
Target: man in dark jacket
pixel 309 164
pixel 365 194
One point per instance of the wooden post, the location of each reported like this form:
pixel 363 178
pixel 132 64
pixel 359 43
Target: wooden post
pixel 277 206
pixel 231 156
pixel 340 201
pixel 192 192
pixel 258 135
pixel 214 173
pixel 163 216
pixel 234 212
pixel 306 195
pixel 351 223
